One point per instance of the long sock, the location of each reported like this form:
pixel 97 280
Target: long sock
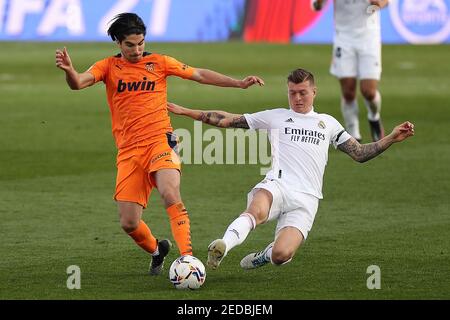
pixel 238 230
pixel 268 254
pixel 350 112
pixel 180 225
pixel 373 107
pixel 144 238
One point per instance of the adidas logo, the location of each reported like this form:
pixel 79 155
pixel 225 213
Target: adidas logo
pixel 289 120
pixel 235 232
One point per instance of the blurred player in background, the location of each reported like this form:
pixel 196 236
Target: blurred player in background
pixel 357 55
pixel 136 90
pixel 291 190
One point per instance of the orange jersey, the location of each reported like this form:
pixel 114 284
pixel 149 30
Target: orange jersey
pixel 137 95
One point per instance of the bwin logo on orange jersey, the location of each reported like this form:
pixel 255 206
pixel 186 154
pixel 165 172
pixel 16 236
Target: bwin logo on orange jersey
pixel 136 85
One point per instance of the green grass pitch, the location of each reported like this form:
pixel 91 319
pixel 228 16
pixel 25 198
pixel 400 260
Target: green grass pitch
pixel 57 175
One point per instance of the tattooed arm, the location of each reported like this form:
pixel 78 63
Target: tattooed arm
pixel 365 152
pixel 220 119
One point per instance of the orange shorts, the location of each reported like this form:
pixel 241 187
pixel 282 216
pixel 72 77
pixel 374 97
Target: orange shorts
pixel 136 164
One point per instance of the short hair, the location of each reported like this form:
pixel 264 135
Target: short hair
pixel 300 75
pixel 125 24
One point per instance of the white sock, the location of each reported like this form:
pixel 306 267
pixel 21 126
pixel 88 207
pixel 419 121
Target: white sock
pixel 268 255
pixel 350 112
pixel 374 107
pixel 238 231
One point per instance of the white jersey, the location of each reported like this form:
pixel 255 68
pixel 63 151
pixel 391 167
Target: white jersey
pixel 352 20
pixel 299 146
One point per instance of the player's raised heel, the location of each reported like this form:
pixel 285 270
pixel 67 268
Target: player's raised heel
pixel 216 253
pixel 377 130
pixel 255 260
pixel 157 264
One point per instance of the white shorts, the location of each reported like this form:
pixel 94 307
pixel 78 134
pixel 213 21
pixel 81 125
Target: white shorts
pixel 291 210
pixel 356 59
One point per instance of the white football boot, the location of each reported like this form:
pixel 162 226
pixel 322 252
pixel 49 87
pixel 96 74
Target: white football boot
pixel 256 260
pixel 216 253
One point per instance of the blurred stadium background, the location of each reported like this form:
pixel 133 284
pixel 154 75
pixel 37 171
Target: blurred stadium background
pixel 404 21
pixel 57 159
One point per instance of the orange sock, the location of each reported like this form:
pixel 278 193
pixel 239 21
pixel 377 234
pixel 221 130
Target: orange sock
pixel 144 238
pixel 180 225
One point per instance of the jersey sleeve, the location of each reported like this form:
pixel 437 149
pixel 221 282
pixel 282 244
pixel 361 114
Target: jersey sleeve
pixel 177 68
pixel 338 133
pixel 259 120
pixel 99 70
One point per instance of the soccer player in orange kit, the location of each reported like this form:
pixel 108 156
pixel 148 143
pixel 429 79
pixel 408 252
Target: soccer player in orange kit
pixel 136 89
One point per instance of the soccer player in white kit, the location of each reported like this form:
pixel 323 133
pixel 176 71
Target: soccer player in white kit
pixel 290 192
pixel 357 55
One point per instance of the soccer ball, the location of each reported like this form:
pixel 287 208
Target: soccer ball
pixel 187 272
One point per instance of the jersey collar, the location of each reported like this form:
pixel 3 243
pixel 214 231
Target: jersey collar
pixel 310 113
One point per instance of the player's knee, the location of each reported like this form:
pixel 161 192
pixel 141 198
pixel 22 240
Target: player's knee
pixel 170 196
pixel 369 94
pixel 258 214
pixel 349 95
pixel 281 256
pixel 128 225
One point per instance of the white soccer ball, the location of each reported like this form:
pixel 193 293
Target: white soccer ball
pixel 187 272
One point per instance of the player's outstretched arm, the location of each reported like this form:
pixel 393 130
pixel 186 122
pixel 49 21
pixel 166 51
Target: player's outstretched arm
pixel 75 80
pixel 365 152
pixel 205 76
pixel 215 118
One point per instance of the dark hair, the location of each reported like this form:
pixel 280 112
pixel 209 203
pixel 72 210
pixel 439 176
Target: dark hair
pixel 301 75
pixel 125 24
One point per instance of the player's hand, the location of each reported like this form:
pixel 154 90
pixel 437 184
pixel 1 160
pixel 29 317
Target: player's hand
pixel 402 131
pixel 174 108
pixel 379 3
pixel 249 81
pixel 63 59
pixel 317 5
